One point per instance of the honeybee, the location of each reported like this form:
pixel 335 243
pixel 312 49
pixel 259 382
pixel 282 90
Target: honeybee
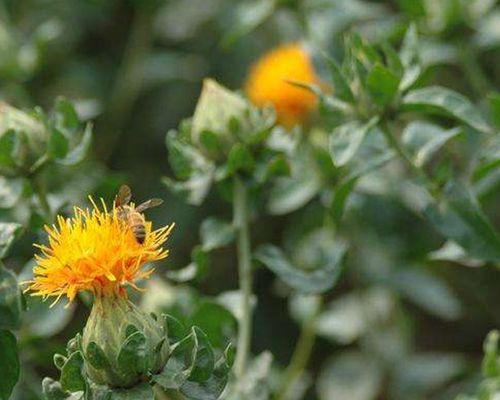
pixel 132 215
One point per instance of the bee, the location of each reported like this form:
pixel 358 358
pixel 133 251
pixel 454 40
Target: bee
pixel 132 215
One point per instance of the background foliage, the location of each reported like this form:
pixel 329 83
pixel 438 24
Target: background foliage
pixel 419 288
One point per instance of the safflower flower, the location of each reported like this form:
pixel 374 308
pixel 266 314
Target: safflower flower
pixel 268 82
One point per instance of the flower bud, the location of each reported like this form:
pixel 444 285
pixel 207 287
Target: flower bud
pixel 215 109
pixel 121 344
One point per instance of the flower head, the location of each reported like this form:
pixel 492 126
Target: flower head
pixel 94 250
pixel 267 83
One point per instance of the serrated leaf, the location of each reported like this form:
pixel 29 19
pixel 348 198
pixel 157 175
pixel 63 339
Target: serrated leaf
pixel 10 300
pixel 9 142
pixel 9 365
pixel 132 357
pixel 382 84
pixel 215 233
pixel 95 356
pixel 436 99
pixel 346 139
pixel 216 321
pixel 176 330
pixel 72 378
pixel 316 281
pixel 204 362
pixel 179 365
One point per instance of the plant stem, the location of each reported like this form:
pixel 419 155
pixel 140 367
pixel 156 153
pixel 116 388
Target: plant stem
pixel 302 352
pixel 128 80
pixel 240 215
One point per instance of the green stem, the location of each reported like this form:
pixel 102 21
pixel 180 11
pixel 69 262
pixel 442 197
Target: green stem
pixel 129 78
pixel 240 215
pixel 302 352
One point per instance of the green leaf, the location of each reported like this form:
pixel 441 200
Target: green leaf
pixel 52 390
pixel 425 373
pixel 346 139
pixel 10 300
pixel 350 376
pixel 12 190
pixel 246 17
pixel 66 116
pixel 72 378
pixel 215 233
pixel 95 356
pixel 290 193
pixel 240 159
pixel 9 143
pixel 491 360
pixel 382 84
pixel 78 153
pixel 255 384
pixel 316 281
pixel 142 391
pixel 212 388
pixel 176 330
pixel 423 140
pixel 9 232
pixel 459 217
pixel 196 188
pixel 204 362
pixel 341 86
pixel 410 49
pixel 494 102
pixel 58 145
pixel 340 196
pixel 132 357
pixel 179 365
pixel 427 291
pixel 436 99
pixel 9 365
pixel 215 321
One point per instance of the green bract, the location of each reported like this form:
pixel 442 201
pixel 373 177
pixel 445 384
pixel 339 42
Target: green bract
pixel 122 344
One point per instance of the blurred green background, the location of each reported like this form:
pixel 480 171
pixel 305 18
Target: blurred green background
pixel 135 69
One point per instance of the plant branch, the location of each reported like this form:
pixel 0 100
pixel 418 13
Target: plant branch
pixel 302 352
pixel 240 215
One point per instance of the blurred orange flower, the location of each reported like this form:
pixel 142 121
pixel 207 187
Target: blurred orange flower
pixel 267 83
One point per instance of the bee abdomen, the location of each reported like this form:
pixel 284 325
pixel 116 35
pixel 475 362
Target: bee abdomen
pixel 138 227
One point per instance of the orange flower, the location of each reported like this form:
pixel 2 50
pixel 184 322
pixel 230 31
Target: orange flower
pixel 267 83
pixel 96 251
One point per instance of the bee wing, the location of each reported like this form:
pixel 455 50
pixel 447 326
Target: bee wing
pixel 124 196
pixel 148 204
